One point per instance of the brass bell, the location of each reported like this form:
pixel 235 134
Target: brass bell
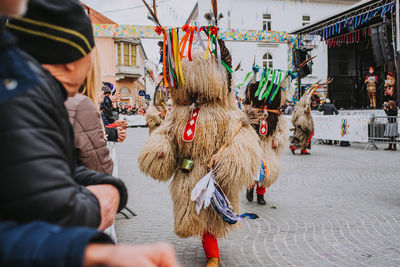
pixel 186 165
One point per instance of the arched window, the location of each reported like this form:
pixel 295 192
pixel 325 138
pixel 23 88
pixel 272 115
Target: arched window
pixel 125 92
pixel 267 60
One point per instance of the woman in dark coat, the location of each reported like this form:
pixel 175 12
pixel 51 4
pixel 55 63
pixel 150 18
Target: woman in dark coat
pixel 391 129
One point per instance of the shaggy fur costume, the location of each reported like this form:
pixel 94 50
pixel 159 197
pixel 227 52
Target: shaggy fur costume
pixel 277 136
pixel 218 117
pixel 154 114
pixel 303 125
pixel 153 118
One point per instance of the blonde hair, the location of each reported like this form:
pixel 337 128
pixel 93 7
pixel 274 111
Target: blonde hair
pixel 92 83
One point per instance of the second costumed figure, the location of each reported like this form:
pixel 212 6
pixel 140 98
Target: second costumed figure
pixel 303 124
pixel 273 133
pixel 157 112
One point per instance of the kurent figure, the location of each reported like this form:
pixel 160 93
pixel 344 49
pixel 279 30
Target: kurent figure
pixel 157 112
pixel 274 135
pixel 303 125
pixel 204 118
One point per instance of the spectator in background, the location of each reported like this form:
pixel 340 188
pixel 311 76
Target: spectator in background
pixel 328 108
pixel 114 128
pixel 314 105
pixel 106 106
pixel 289 109
pixel 40 176
pixel 391 129
pixel 90 141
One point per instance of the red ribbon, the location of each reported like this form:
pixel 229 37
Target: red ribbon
pixel 192 30
pixel 185 28
pixel 213 30
pixel 158 29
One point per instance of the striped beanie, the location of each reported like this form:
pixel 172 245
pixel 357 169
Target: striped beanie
pixel 54 31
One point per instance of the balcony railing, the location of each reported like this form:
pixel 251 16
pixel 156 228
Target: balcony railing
pixel 129 71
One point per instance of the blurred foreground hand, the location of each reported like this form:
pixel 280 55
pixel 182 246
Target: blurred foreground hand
pixel 156 255
pixel 108 197
pixel 115 98
pixel 121 135
pixel 121 123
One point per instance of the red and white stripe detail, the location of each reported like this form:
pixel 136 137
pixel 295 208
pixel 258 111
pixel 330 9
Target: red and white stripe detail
pixel 190 129
pixel 263 127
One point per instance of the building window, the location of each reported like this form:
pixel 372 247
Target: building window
pixel 126 54
pixel 133 55
pixel 267 60
pixel 119 53
pixel 306 20
pixel 125 92
pixel 267 22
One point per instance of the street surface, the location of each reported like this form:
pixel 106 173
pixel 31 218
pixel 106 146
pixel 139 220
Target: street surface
pixel 339 206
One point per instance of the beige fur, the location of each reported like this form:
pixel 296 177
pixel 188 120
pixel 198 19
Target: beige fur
pixel 216 122
pixel 303 124
pixel 153 118
pixel 272 154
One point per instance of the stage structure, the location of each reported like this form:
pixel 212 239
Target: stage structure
pixel 358 38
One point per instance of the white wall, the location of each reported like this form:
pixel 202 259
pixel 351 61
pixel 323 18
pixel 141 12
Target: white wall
pixel 286 16
pixel 245 52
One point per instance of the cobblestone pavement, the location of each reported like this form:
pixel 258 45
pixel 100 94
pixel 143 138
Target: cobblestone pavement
pixel 340 206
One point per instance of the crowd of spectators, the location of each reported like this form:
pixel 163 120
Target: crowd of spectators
pixel 57 189
pixel 125 109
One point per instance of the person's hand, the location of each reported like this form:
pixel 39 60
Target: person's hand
pixel 121 135
pixel 157 255
pixel 108 197
pixel 101 97
pixel 115 98
pixel 121 123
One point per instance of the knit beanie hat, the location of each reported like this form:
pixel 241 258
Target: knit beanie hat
pixel 54 31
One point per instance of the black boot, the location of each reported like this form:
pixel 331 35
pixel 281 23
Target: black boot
pixel 260 199
pixel 389 147
pixel 249 194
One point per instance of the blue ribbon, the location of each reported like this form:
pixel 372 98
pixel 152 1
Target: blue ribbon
pixel 376 12
pixel 355 23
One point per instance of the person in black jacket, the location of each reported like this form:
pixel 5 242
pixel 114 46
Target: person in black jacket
pixel 40 178
pixel 391 127
pixel 328 108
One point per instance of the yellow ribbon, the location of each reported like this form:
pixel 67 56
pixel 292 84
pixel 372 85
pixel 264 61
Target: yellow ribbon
pixel 208 45
pixel 178 60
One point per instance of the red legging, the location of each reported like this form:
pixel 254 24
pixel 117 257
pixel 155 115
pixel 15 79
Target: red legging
pixel 260 190
pixel 210 245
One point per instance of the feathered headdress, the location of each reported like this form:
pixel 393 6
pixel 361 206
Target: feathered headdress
pixel 175 48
